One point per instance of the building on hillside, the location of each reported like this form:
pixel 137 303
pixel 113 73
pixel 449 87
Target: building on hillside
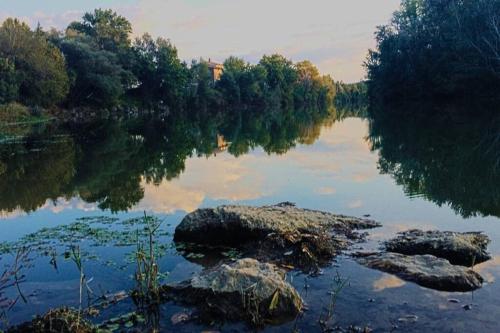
pixel 216 69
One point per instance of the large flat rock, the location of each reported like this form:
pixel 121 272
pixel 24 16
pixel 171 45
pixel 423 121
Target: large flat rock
pixel 244 290
pixel 466 249
pixel 279 233
pixel 426 270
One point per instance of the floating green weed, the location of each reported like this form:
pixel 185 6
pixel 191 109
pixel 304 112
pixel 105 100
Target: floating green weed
pixel 89 233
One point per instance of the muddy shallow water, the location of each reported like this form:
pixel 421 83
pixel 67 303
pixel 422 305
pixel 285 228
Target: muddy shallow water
pixel 333 169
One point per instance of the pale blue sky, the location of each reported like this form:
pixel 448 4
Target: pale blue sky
pixel 334 34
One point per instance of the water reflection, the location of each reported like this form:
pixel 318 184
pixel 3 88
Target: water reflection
pixel 67 171
pixel 110 162
pixel 387 282
pixel 449 159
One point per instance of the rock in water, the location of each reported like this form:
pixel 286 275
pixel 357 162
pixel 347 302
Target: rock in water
pixel 425 270
pixel 308 237
pixel 244 290
pixel 464 249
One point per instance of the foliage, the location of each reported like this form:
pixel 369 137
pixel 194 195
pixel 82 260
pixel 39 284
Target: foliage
pixel 443 49
pixel 95 60
pixel 9 81
pixel 161 76
pixel 313 90
pixel 39 65
pixel 13 113
pixel 108 30
pixel 97 77
pixel 59 320
pixel 147 274
pixel 352 96
pixel 275 82
pixel 202 93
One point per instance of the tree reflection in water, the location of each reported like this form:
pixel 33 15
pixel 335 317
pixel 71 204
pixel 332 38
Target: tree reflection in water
pixel 451 158
pixel 105 161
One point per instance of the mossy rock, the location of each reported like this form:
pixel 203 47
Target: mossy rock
pixel 244 290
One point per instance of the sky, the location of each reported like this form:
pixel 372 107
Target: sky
pixel 334 34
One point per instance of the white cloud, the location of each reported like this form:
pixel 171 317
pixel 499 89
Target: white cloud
pixel 221 177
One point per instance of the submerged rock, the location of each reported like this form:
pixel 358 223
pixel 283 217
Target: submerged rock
pixel 464 249
pixel 426 270
pixel 281 233
pixel 244 290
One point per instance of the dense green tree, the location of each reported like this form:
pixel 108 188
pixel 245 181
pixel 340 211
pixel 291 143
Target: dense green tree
pixel 202 92
pixel 97 77
pixel 281 77
pixel 351 96
pixel 280 71
pixel 444 49
pixel 242 83
pixel 40 66
pixel 96 62
pixel 312 89
pixel 232 81
pixel 109 30
pixel 9 81
pixel 161 74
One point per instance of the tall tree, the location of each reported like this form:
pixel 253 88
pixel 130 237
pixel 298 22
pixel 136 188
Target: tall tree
pixel 108 29
pixel 97 77
pixel 40 66
pixel 9 81
pixel 161 75
pixel 440 49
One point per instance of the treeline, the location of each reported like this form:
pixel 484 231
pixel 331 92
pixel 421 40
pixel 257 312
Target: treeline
pixel 95 64
pixel 352 96
pixel 444 49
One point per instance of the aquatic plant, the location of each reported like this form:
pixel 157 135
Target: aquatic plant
pixel 83 281
pixel 13 277
pixel 90 232
pixel 59 320
pixel 147 274
pixel 338 284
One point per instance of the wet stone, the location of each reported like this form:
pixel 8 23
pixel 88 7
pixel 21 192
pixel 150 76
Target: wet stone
pixel 460 248
pixel 244 290
pixel 281 233
pixel 426 270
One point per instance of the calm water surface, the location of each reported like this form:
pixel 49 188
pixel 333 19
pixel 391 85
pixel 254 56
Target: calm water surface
pixel 347 166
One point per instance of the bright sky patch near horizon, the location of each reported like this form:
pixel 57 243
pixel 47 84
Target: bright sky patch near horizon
pixel 334 34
